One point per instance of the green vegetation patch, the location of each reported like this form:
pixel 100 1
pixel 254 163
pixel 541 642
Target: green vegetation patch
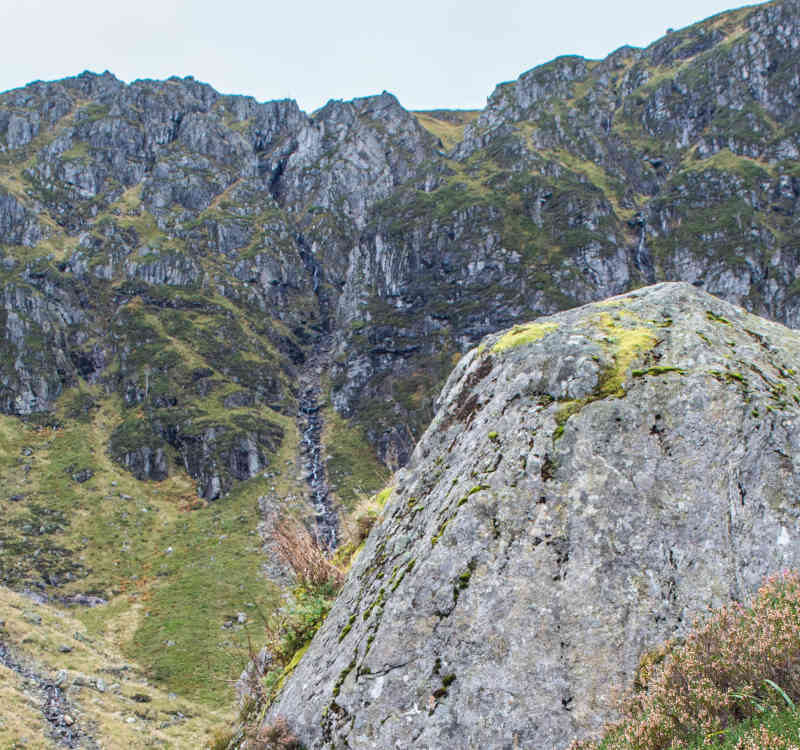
pixel 291 629
pixel 38 635
pixel 176 571
pixel 714 318
pixel 447 126
pixel 728 376
pixel 354 470
pixel 190 635
pixel 624 338
pixel 78 152
pixel 659 370
pixel 523 334
pixel 725 161
pixel 564 411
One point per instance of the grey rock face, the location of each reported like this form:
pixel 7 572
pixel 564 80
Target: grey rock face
pixel 590 484
pixel 145 461
pixel 399 236
pixel 173 270
pixel 167 188
pixel 341 155
pixel 17 225
pixel 34 318
pixel 214 454
pixel 216 458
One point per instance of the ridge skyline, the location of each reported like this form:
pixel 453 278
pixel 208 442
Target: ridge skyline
pixel 447 61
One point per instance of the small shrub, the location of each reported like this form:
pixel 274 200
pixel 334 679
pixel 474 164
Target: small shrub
pixel 740 665
pixel 365 514
pixel 221 740
pixel 275 736
pixel 764 739
pixel 294 625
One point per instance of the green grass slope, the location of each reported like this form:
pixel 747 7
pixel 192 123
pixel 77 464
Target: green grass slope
pixel 174 570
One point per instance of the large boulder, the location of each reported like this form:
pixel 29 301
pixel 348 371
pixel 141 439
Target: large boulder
pixel 590 484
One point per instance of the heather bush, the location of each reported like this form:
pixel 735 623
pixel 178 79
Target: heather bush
pixel 763 738
pixel 275 736
pixel 738 668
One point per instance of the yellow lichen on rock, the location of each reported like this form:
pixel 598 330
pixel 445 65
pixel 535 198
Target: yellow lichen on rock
pixel 523 334
pixel 625 343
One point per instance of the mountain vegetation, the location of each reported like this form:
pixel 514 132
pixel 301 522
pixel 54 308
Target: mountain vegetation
pixel 729 684
pixel 219 316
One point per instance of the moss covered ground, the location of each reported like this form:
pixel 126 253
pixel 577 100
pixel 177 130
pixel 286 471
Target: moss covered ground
pixel 446 125
pixel 354 470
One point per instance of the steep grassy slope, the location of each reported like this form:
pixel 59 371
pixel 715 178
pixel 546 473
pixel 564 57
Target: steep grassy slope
pixel 174 569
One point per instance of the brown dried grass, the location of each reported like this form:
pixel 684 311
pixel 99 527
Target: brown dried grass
pixel 274 736
pixel 300 552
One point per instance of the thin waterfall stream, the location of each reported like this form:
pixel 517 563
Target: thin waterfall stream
pixel 309 417
pixel 311 449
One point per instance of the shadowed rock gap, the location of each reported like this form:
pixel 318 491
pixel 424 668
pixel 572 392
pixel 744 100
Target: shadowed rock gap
pixel 310 422
pixel 309 415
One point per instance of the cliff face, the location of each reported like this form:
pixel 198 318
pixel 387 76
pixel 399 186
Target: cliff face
pixel 150 247
pixel 145 213
pixel 590 483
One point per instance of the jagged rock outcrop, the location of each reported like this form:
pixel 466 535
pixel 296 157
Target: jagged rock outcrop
pixel 160 208
pixel 17 225
pixel 590 483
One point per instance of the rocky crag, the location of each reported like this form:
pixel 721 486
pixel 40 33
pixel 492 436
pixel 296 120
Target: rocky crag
pixel 185 250
pixel 591 482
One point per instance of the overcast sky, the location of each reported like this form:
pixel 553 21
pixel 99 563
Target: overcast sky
pixel 429 53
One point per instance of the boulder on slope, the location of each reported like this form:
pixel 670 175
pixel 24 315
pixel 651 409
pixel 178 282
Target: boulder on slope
pixel 591 483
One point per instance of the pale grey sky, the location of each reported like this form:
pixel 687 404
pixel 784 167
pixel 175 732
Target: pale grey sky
pixel 429 53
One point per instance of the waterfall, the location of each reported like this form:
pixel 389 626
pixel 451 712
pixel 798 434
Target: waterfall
pixel 310 423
